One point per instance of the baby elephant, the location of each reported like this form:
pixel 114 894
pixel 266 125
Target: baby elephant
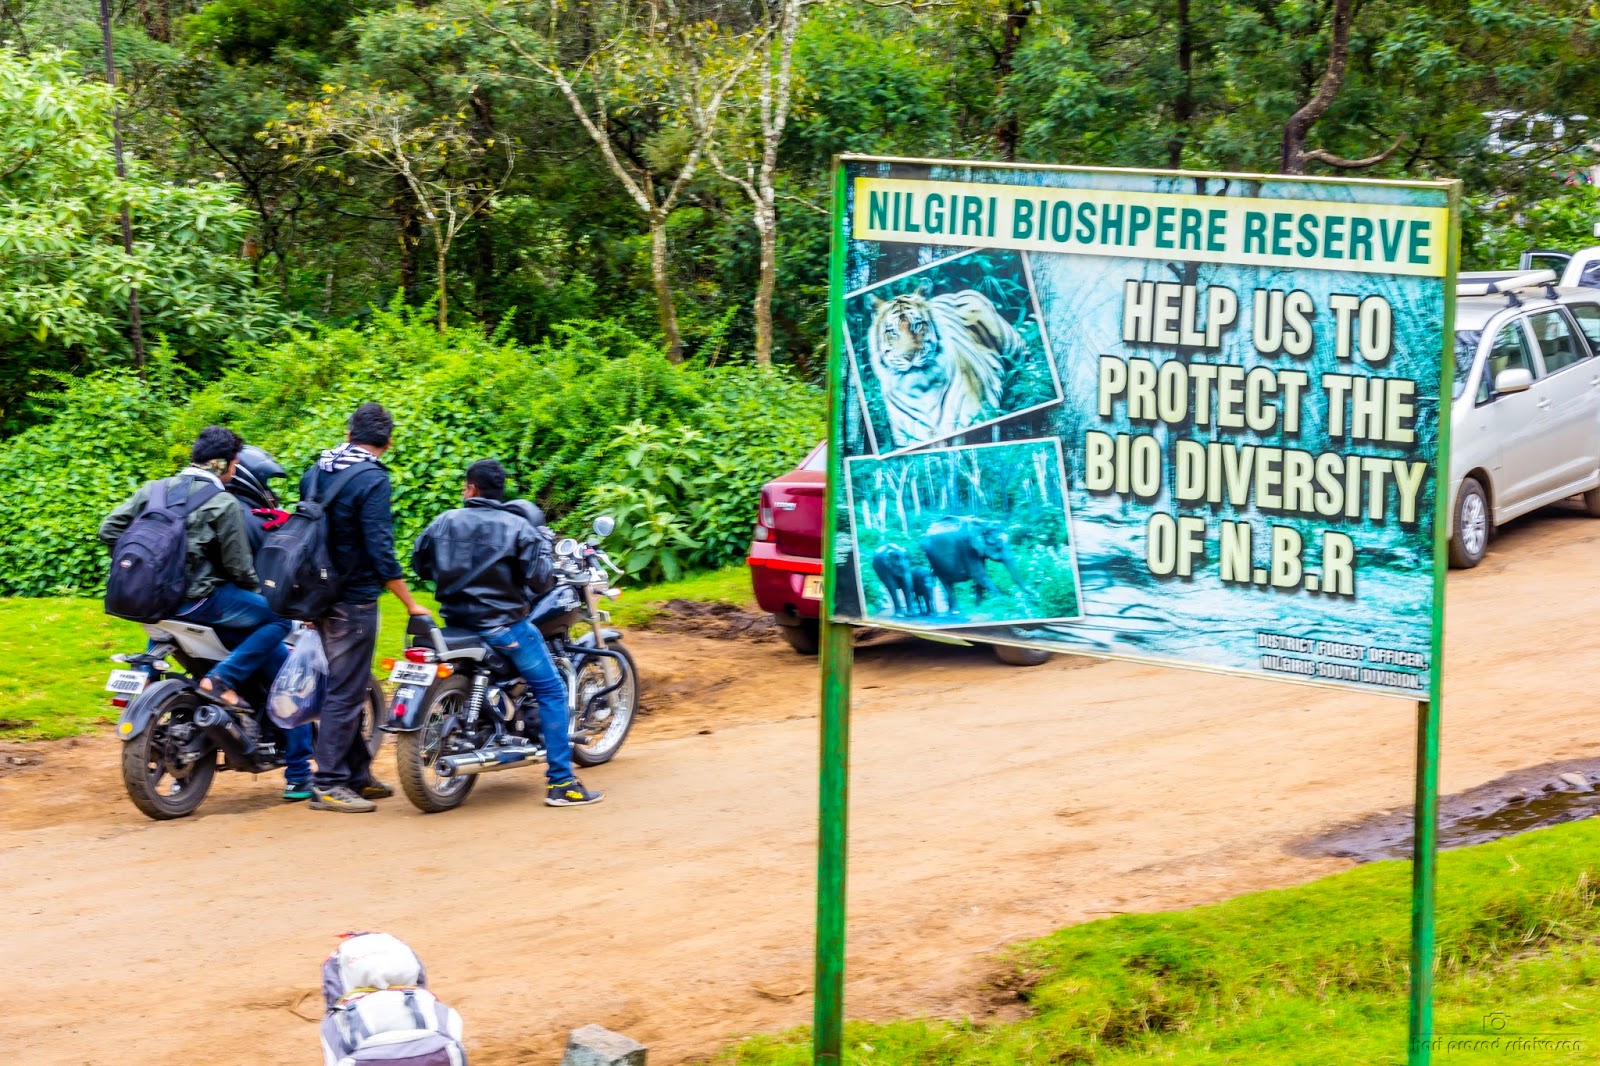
pixel 893 567
pixel 921 590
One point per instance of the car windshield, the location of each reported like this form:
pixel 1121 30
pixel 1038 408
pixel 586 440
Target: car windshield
pixel 1466 351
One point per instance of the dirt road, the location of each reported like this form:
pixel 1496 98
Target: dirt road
pixel 989 803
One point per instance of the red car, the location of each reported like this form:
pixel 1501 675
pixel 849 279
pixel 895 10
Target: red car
pixel 786 557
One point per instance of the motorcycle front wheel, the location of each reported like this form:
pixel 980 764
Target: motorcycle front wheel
pixel 159 783
pixel 417 753
pixel 598 735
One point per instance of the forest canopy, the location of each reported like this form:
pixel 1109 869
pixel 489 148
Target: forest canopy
pixel 662 164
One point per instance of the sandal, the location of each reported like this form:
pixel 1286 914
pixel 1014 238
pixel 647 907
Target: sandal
pixel 227 697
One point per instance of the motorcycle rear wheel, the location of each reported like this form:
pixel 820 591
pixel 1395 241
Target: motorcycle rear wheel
pixel 416 752
pixel 616 718
pixel 148 763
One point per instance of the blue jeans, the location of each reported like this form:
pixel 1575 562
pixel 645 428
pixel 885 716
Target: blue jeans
pixel 246 625
pixel 522 644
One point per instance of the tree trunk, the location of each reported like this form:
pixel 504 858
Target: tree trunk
pixel 440 252
pixel 1014 22
pixel 1293 158
pixel 1183 104
pixel 663 286
pixel 767 228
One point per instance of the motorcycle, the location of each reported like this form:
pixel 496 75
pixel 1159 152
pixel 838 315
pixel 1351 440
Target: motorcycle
pixel 462 710
pixel 172 732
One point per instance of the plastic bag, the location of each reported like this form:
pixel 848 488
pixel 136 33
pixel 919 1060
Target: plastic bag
pixel 296 696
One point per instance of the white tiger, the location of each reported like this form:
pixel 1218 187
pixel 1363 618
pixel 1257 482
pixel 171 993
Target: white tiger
pixel 940 360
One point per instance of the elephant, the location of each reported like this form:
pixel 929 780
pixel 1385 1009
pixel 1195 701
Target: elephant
pixel 922 590
pixel 959 548
pixel 893 567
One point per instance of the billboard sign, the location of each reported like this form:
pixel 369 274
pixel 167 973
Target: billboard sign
pixel 1191 419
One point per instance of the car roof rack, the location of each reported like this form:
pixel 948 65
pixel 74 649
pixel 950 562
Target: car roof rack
pixel 1493 282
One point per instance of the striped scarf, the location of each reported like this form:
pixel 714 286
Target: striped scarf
pixel 345 455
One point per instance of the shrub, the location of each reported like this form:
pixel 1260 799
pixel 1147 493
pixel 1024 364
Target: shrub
pixel 565 416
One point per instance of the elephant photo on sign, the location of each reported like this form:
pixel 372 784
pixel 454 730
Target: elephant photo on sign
pixel 968 536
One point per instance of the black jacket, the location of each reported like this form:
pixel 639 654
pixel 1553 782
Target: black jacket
pixel 481 558
pixel 360 531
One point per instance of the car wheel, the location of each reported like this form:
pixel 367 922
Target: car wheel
pixel 1473 526
pixel 803 636
pixel 1020 656
pixel 1591 502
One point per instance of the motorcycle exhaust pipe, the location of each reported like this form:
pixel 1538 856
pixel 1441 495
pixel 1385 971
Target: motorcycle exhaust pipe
pixel 222 730
pixel 487 761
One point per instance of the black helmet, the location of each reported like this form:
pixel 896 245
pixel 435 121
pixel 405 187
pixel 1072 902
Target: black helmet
pixel 252 480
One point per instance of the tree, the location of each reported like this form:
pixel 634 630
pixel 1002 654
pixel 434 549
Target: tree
pixel 386 132
pixel 647 83
pixel 65 277
pixel 757 133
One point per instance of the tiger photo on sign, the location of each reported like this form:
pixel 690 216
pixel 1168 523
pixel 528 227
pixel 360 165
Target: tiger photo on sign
pixel 940 360
pixel 949 347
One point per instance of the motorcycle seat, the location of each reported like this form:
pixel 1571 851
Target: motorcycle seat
pixel 464 640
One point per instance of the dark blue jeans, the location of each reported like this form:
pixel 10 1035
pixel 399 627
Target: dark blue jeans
pixel 522 644
pixel 246 625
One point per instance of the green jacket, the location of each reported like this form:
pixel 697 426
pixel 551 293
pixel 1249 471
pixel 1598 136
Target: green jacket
pixel 219 547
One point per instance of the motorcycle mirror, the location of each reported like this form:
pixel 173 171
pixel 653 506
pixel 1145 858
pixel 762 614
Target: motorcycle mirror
pixel 566 547
pixel 604 525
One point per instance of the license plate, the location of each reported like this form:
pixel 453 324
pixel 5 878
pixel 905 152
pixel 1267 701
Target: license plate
pixel 127 682
pixel 812 589
pixel 410 673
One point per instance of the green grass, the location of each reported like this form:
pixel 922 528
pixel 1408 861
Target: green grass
pixel 1309 975
pixel 639 605
pixel 57 651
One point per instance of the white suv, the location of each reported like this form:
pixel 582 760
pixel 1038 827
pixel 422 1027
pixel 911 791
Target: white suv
pixel 1525 421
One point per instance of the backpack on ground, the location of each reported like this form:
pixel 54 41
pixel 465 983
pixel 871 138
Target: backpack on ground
pixel 380 1009
pixel 295 565
pixel 150 563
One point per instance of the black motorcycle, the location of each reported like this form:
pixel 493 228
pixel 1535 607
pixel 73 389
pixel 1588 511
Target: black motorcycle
pixel 462 709
pixel 173 733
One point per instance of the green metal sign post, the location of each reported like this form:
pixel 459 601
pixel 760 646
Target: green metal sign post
pixel 1377 264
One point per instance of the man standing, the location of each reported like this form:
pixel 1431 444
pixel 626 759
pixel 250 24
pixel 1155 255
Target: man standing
pixel 482 557
pixel 361 545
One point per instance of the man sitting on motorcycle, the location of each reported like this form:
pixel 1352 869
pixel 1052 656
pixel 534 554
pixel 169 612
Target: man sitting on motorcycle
pixel 223 589
pixel 481 557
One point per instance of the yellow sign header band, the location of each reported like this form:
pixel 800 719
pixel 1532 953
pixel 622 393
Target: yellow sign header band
pixel 1303 234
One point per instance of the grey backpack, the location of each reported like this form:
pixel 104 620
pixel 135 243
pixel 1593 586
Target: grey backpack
pixel 398 1026
pixel 380 1009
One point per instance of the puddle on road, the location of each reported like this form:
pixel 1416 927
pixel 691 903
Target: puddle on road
pixel 1522 800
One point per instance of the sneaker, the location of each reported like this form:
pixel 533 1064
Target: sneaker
pixel 340 798
pixel 295 791
pixel 570 793
pixel 374 789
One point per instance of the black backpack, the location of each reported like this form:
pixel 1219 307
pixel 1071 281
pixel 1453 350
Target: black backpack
pixel 150 563
pixel 295 565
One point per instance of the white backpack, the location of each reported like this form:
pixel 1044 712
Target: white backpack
pixel 380 1009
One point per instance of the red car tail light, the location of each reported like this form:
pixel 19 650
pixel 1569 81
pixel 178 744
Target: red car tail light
pixel 766 519
pixel 762 532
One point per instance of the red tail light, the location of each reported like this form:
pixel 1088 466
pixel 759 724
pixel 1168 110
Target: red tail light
pixel 762 532
pixel 119 701
pixel 419 655
pixel 399 710
pixel 766 512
